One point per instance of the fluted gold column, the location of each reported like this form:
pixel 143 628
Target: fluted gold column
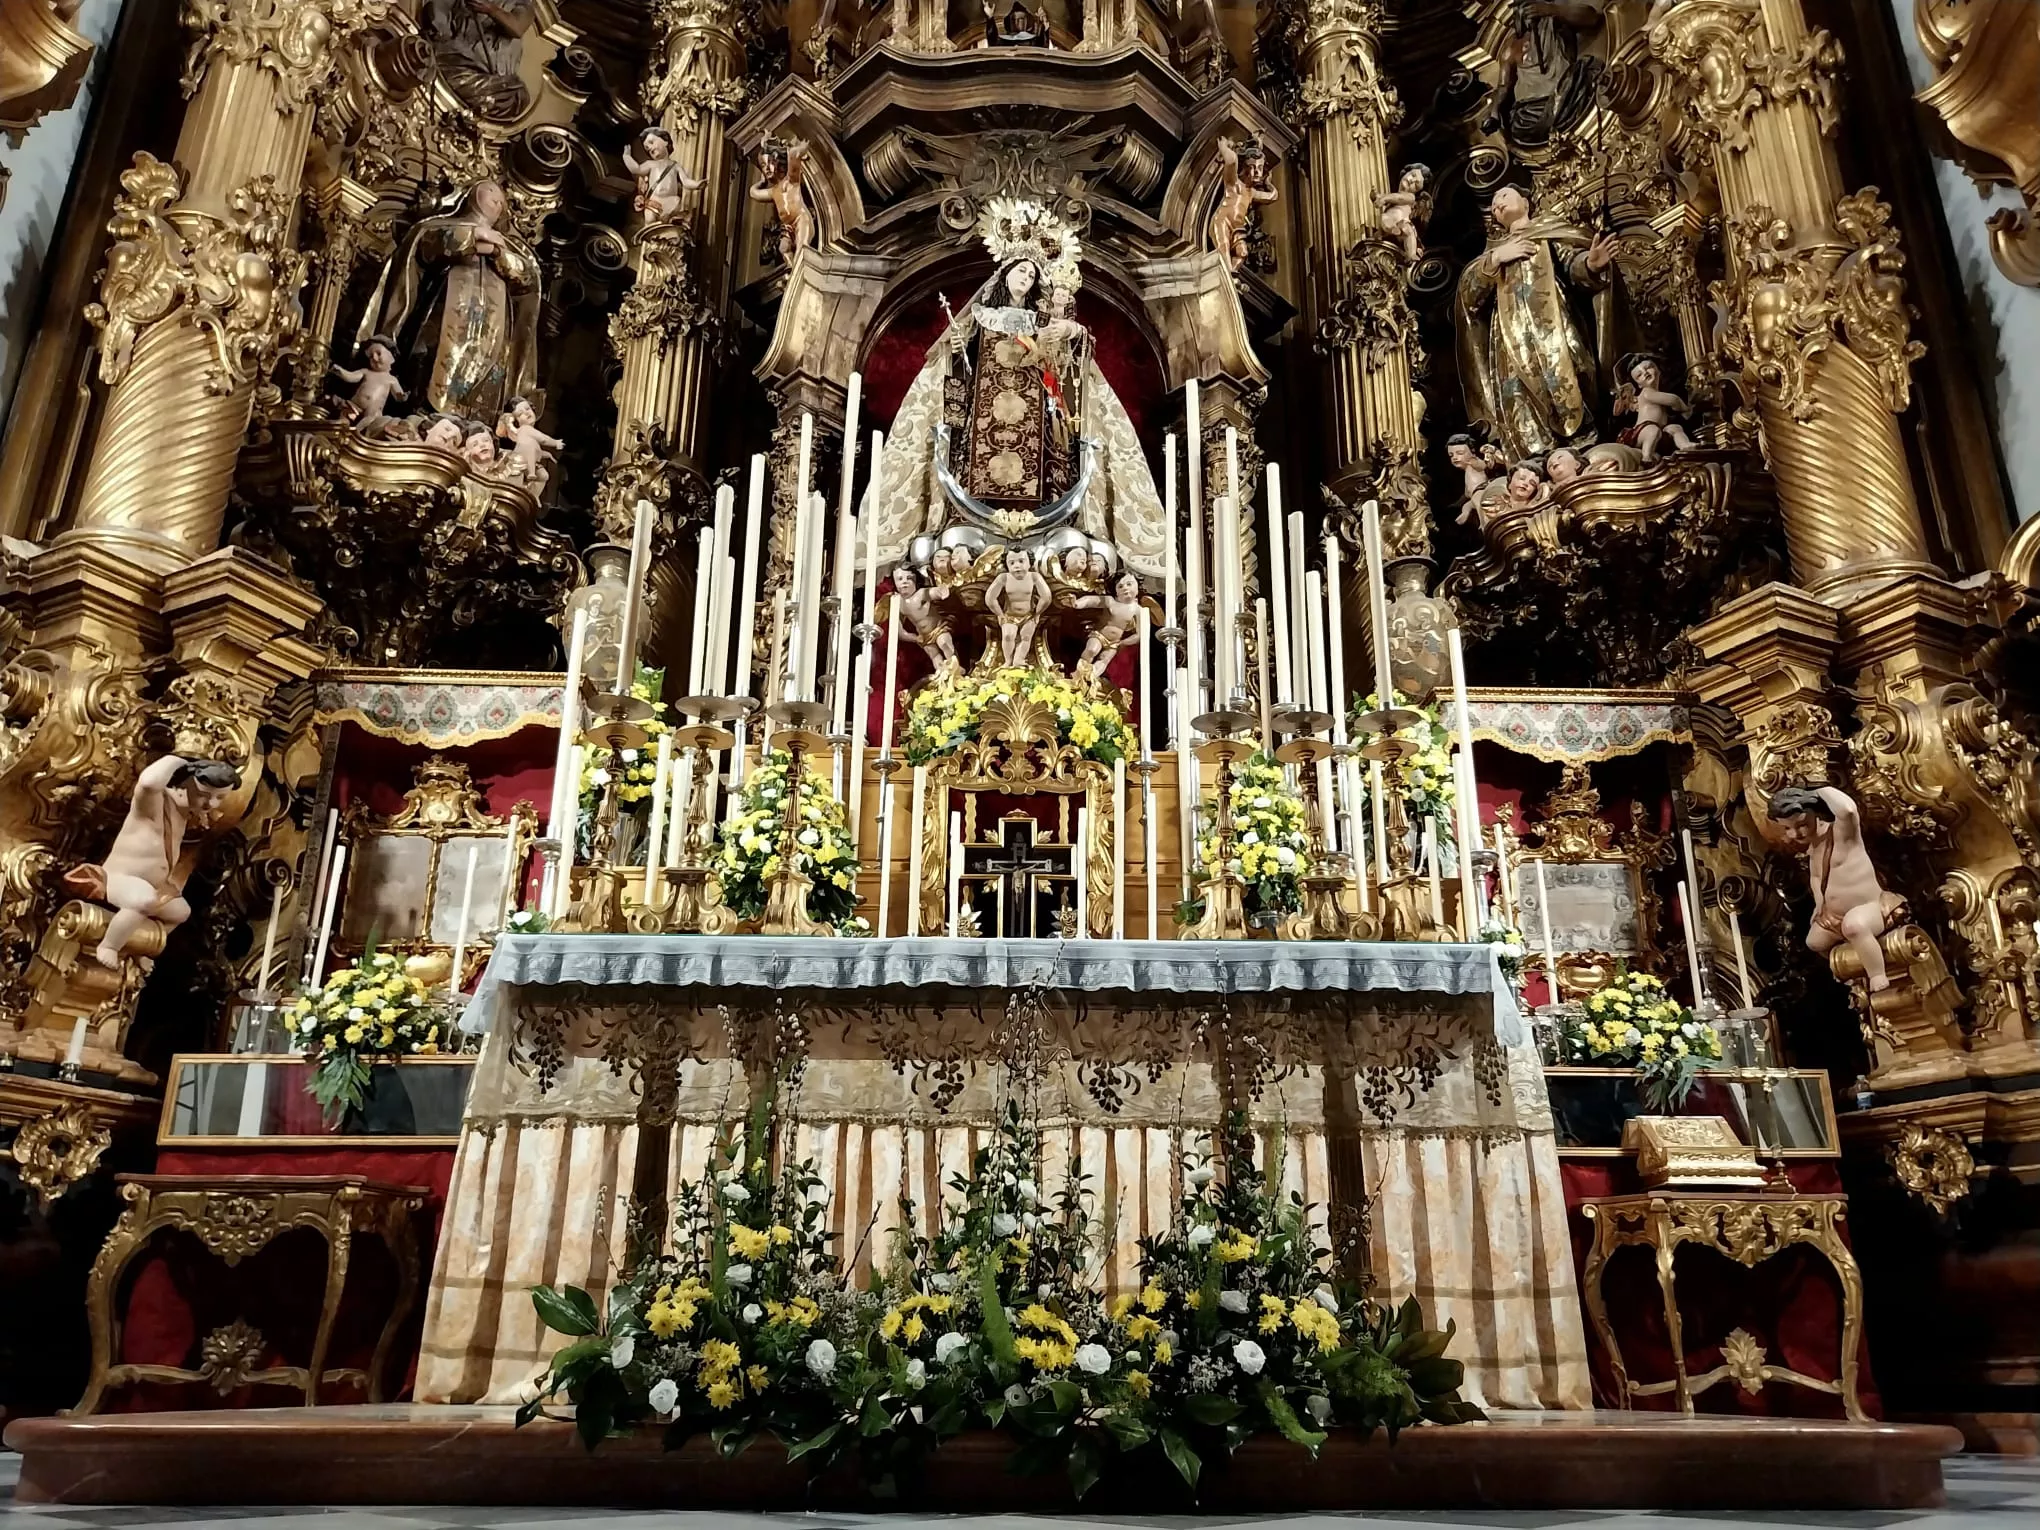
pixel 666 331
pixel 200 289
pixel 1817 317
pixel 1356 296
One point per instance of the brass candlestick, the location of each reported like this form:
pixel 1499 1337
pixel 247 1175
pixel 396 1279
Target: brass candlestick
pixel 1405 914
pixel 1323 916
pixel 1225 907
pixel 614 722
pixel 786 911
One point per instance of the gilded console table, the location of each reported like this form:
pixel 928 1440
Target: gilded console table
pixel 236 1216
pixel 1749 1227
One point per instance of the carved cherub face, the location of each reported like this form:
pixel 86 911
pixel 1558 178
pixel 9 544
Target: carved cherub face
pixel 1563 465
pixel 1509 206
pixel 1461 454
pixel 943 564
pixel 1524 484
pixel 1099 566
pixel 1126 587
pixel 1021 281
pixel 658 143
pixel 379 357
pixel 1074 562
pixel 1644 372
pixel 1799 831
pixel 906 581
pixel 1413 181
pixel 522 414
pixel 202 804
pixel 479 447
pixel 1017 561
pixel 444 431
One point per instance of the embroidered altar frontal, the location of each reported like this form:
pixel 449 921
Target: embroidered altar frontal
pixel 1394 1076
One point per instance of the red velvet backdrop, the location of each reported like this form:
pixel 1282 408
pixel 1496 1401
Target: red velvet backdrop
pixel 1791 1304
pixel 176 1293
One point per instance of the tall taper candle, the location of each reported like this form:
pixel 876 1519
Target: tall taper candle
pixel 874 497
pixel 1378 797
pixel 955 875
pixel 885 856
pixel 336 876
pixel 747 603
pixel 839 635
pixel 1194 553
pixel 1318 685
pixel 1432 870
pixel 1278 602
pixel 1556 994
pixel 860 693
pixel 264 972
pixel 1147 723
pixel 460 929
pixel 655 830
pixel 892 676
pixel 1080 863
pixel 720 595
pixel 1225 615
pixel 1348 773
pixel 634 598
pixel 681 807
pixel 1742 960
pixel 1169 568
pixel 558 821
pixel 1295 546
pixel 1693 967
pixel 317 906
pixel 1119 848
pixel 1377 602
pixel 1147 825
pixel 1469 799
pixel 704 597
pixel 1261 673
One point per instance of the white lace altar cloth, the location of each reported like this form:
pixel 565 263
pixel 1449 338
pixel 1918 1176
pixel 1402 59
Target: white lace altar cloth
pixel 1391 1048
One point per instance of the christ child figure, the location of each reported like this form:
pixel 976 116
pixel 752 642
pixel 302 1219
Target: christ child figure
pixel 1117 628
pixel 529 446
pixel 375 384
pixel 1848 901
pixel 661 183
pixel 1658 414
pixel 143 875
pixel 1405 210
pixel 927 626
pixel 1018 598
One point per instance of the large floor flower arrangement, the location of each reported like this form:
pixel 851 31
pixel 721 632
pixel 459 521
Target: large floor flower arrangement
pixel 1237 1328
pixel 944 714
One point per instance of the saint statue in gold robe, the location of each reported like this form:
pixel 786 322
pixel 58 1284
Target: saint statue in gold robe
pixel 1525 366
pixel 461 297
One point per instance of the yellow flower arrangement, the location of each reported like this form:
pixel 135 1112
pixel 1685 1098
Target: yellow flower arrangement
pixel 374 1009
pixel 1634 1023
pixel 754 837
pixel 944 714
pixel 635 771
pixel 1424 778
pixel 1270 845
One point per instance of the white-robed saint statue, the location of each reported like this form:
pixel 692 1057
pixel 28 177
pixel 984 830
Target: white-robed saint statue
pixel 1010 425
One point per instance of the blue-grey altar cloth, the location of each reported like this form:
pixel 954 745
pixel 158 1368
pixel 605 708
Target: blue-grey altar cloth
pixel 1075 966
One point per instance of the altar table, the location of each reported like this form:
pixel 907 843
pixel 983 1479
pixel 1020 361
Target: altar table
pixel 1392 1074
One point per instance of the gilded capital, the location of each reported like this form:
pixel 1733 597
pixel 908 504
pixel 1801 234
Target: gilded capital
pixel 295 40
pixel 699 66
pixel 234 277
pixel 666 302
pixel 1726 68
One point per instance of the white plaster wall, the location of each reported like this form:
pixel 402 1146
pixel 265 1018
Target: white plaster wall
pixel 2005 316
pixel 38 175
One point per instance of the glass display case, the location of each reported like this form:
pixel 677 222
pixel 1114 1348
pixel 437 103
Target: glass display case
pixel 218 1099
pixel 1780 1112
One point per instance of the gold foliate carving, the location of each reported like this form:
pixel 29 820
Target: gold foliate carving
pixel 1392 474
pixel 235 1226
pixel 443 797
pixel 640 467
pixel 666 301
pixel 679 88
pixel 1722 53
pixel 207 718
pixel 1743 1358
pixel 291 39
pixel 1933 1164
pixel 1372 313
pixel 234 277
pixel 1788 303
pixel 229 1355
pixel 1795 742
pixel 54 1152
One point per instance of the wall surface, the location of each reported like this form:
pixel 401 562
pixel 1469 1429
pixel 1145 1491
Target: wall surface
pixel 2006 316
pixel 39 176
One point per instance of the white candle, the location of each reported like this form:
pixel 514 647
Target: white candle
pixel 1693 878
pixel 955 875
pixel 262 972
pixel 1147 729
pixel 1261 674
pixel 655 830
pixel 634 597
pixel 460 928
pixel 893 641
pixel 74 1053
pixel 1742 961
pixel 1557 995
pixel 1377 601
pixel 1377 798
pixel 885 856
pixel 860 702
pixel 811 601
pixel 1225 620
pixel 339 870
pixel 563 884
pixel 1278 572
pixel 839 634
pixel 720 595
pixel 1169 572
pixel 1356 826
pixel 1147 823
pixel 318 888
pixel 704 580
pixel 747 603
pixel 1119 848
pixel 1193 557
pixel 1431 867
pixel 874 498
pixel 1469 878
pixel 1080 864
pixel 1469 798
pixel 914 827
pixel 1692 947
pixel 570 725
pixel 1293 545
pixel 1318 682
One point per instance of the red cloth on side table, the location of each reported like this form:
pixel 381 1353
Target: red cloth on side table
pixel 1791 1304
pixel 177 1293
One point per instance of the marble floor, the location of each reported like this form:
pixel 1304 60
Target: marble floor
pixel 1984 1493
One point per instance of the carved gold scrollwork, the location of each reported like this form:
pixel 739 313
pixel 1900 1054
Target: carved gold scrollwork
pixel 689 30
pixel 1372 313
pixel 231 1354
pixel 1933 1163
pixel 235 1226
pixel 56 1151
pixel 666 301
pixel 291 39
pixel 235 277
pixel 1730 70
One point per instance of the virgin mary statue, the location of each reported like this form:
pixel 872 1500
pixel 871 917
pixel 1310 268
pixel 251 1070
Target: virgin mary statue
pixel 461 297
pixel 1009 423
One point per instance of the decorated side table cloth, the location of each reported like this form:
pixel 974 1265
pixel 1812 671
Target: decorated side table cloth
pixel 1396 1074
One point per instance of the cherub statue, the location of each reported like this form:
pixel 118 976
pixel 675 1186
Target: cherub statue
pixel 529 446
pixel 143 875
pixel 1244 184
pixel 478 446
pixel 928 627
pixel 1562 466
pixel 1118 628
pixel 1849 903
pixel 1405 210
pixel 1478 460
pixel 1018 598
pixel 780 166
pixel 443 431
pixel 375 384
pixel 1076 565
pixel 1525 491
pixel 942 571
pixel 1658 414
pixel 661 183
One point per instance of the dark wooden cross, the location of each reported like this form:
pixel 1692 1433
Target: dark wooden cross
pixel 1015 873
